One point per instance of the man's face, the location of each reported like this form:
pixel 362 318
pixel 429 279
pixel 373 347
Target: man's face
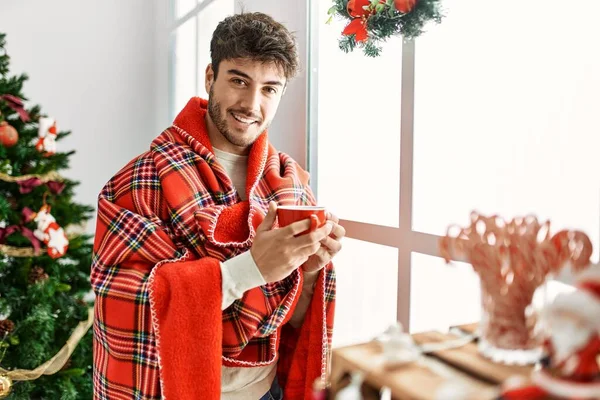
pixel 243 100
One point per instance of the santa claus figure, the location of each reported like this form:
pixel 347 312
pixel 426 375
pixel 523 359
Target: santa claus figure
pixel 570 368
pixel 49 232
pixel 46 136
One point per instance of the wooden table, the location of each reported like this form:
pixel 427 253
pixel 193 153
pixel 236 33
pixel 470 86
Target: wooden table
pixel 423 379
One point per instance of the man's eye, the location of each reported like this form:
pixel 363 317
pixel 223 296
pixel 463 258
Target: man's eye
pixel 238 82
pixel 271 90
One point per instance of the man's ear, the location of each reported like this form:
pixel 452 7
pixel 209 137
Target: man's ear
pixel 209 77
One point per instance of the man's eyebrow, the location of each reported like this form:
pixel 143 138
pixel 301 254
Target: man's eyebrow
pixel 245 75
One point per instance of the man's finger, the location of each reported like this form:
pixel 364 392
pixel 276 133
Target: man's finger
pixel 330 216
pixel 338 232
pixel 311 238
pixel 298 227
pixel 323 255
pixel 269 220
pixel 331 245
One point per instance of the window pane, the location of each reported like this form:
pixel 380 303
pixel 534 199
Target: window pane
pixel 367 283
pixel 358 127
pixel 185 64
pixel 182 7
pixel 208 19
pixel 442 295
pixel 506 115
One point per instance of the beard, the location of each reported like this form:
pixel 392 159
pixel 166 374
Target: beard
pixel 568 337
pixel 220 121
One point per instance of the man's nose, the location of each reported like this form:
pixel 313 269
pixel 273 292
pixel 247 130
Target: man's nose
pixel 251 101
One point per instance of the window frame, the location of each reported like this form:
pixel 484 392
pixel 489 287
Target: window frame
pixel 174 24
pixel 404 238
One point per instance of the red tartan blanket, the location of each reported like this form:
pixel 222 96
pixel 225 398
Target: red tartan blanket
pixel 165 221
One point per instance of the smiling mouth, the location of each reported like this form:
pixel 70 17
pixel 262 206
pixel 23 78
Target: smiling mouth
pixel 242 119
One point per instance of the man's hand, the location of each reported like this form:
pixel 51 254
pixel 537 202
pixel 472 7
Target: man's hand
pixel 277 252
pixel 330 246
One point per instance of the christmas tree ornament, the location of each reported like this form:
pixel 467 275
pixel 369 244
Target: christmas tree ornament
pixel 50 233
pixel 6 167
pixel 56 187
pixel 27 185
pixel 5 386
pixel 16 104
pixel 4 232
pixel 47 131
pixel 572 341
pixel 37 274
pixel 8 135
pixel 6 327
pixel 513 259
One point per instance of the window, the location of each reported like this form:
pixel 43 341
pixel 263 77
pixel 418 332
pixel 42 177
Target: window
pixel 492 110
pixel 193 24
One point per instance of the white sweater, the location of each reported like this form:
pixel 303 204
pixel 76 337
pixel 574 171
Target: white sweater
pixel 240 274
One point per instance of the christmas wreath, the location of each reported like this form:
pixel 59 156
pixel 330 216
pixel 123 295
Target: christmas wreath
pixel 371 22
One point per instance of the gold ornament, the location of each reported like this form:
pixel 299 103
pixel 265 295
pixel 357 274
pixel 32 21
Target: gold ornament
pixel 5 386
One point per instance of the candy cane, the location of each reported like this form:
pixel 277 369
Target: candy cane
pixel 512 259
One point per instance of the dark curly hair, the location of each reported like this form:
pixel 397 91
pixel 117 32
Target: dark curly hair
pixel 258 37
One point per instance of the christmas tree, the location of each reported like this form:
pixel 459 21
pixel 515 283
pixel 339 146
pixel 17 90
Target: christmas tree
pixel 45 257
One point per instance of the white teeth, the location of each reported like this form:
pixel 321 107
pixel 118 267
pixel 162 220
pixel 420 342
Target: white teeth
pixel 242 119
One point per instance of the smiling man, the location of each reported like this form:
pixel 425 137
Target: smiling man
pixel 199 293
pixel 236 124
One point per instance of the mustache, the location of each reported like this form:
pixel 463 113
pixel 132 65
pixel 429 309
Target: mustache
pixel 246 113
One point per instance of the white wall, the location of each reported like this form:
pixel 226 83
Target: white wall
pixel 92 66
pixel 162 33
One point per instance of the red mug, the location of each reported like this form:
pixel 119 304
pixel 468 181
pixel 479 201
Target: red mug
pixel 289 214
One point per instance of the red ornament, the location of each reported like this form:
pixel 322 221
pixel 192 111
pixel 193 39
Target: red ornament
pixel 358 26
pixel 356 8
pixel 405 6
pixel 8 135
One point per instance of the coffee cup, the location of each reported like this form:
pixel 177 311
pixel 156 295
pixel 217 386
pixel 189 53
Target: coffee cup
pixel 287 215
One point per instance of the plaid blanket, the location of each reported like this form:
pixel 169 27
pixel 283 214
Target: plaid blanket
pixel 165 221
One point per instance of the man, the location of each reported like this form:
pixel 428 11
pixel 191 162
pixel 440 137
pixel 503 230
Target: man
pixel 199 294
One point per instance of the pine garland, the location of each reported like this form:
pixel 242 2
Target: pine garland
pixel 383 21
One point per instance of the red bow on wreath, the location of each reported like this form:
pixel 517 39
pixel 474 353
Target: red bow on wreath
pixel 361 10
pixel 405 6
